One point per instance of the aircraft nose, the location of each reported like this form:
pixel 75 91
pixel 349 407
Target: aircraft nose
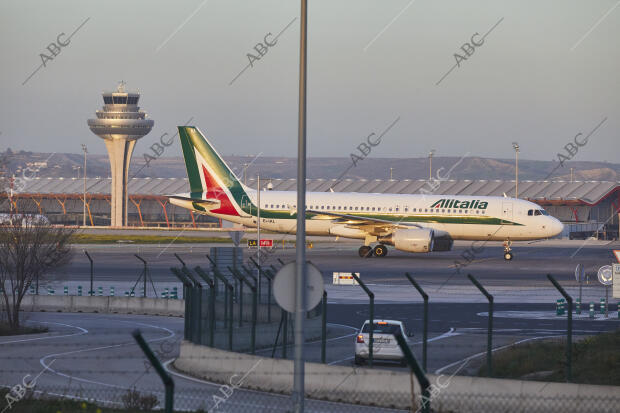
pixel 555 227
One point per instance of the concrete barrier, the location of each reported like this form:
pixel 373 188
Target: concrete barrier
pixel 392 389
pixel 120 305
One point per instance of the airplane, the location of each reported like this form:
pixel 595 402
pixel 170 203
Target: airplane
pixel 418 223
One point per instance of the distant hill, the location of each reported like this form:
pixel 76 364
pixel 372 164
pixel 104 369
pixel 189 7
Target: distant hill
pixel 69 165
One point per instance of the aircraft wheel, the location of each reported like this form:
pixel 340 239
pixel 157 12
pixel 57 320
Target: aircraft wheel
pixel 508 255
pixel 365 251
pixel 380 250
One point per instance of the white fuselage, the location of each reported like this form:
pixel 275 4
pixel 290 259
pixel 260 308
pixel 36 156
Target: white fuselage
pixel 501 219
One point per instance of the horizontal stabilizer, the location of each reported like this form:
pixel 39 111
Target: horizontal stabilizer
pixel 194 203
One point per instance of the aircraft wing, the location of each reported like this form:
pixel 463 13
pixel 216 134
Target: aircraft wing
pixel 370 225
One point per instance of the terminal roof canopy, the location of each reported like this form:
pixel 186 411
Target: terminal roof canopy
pixel 577 192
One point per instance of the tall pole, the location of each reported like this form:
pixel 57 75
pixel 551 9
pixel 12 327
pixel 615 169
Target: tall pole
pixel 391 173
pixel 84 206
pixel 258 230
pixel 430 164
pixel 300 249
pixel 515 145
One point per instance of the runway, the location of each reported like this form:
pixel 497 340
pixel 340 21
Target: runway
pixel 442 275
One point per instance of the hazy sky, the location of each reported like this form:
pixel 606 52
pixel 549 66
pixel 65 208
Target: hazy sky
pixel 548 71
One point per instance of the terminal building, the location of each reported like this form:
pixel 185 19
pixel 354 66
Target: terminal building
pixel 587 208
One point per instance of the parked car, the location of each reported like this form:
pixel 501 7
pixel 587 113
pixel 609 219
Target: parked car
pixel 384 346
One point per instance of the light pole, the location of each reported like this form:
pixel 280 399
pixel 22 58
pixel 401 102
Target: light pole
pixel 430 164
pixel 391 173
pixel 245 172
pixel 84 206
pixel 571 175
pixel 300 236
pixel 515 145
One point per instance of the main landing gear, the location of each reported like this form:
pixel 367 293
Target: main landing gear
pixel 507 249
pixel 366 251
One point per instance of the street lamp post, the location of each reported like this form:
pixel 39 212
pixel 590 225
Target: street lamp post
pixel 391 173
pixel 515 145
pixel 300 238
pixel 84 206
pixel 430 164
pixel 245 171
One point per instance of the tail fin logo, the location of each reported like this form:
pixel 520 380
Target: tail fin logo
pixel 208 174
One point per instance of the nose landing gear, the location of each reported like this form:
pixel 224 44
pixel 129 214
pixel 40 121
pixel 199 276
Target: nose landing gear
pixel 507 250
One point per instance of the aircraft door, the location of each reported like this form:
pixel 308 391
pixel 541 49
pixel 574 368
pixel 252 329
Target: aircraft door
pixel 507 211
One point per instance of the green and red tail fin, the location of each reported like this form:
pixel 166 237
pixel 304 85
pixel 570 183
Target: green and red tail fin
pixel 209 176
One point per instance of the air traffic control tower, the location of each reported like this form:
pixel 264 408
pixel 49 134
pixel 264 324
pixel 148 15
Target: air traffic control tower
pixel 120 124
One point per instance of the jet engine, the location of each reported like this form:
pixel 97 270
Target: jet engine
pixel 418 240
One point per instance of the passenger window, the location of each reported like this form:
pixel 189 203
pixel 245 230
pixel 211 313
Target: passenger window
pixel 373 208
pixel 356 208
pixel 396 209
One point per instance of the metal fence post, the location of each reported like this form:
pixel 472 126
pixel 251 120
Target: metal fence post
pixel 269 276
pixel 228 303
pixel 145 273
pixel 240 278
pixel 284 333
pixel 211 284
pixel 180 260
pixel 569 329
pixel 490 328
pixel 196 306
pixel 91 290
pixel 415 369
pixel 254 290
pixel 425 322
pixel 213 266
pixel 165 377
pixel 371 297
pixel 324 328
pixel 262 272
pixel 186 287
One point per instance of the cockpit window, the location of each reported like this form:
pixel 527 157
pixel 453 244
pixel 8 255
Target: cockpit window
pixel 530 212
pixel 537 212
pixel 542 211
